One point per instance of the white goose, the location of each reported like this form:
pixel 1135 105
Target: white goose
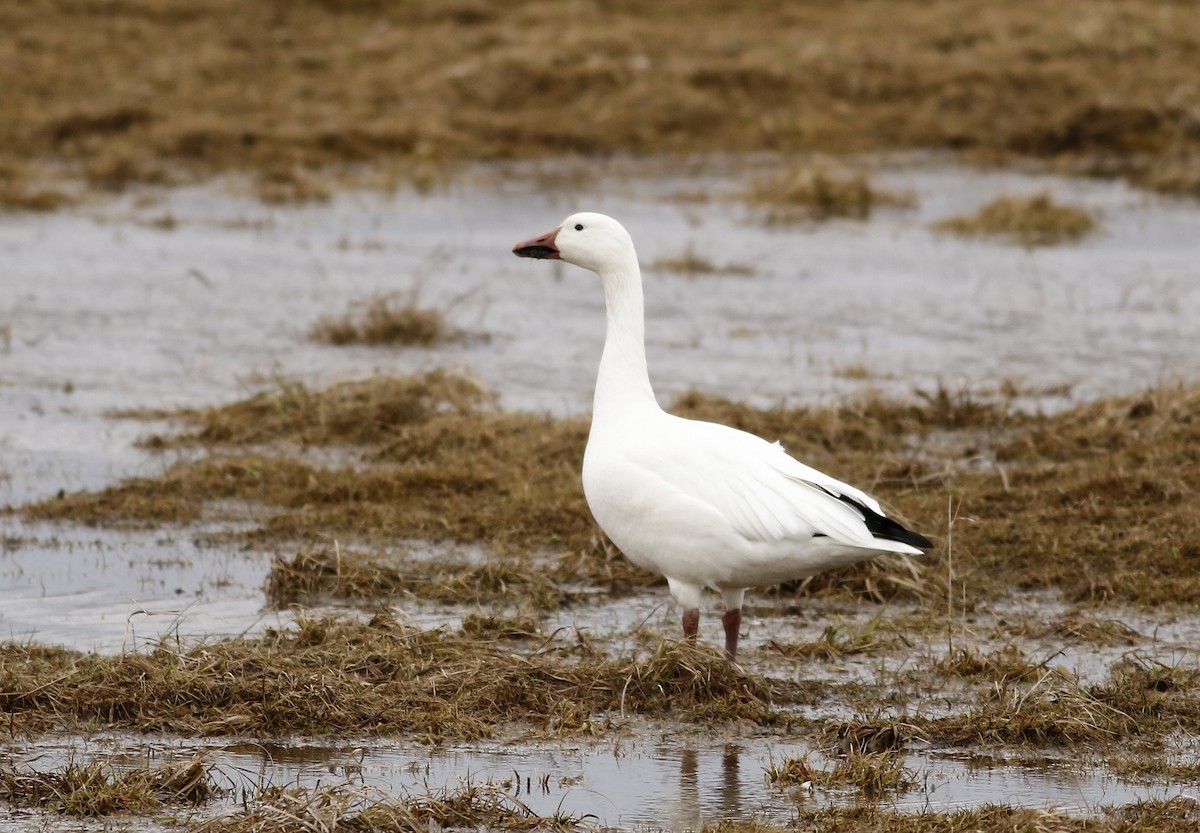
pixel 703 504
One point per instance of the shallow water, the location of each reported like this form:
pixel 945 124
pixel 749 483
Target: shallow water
pixel 669 783
pixel 108 307
pixel 105 308
pixel 99 590
pixel 195 296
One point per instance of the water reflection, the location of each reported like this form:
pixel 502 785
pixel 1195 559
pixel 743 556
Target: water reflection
pixel 674 784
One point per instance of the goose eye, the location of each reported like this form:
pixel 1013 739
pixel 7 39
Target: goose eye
pixel 579 227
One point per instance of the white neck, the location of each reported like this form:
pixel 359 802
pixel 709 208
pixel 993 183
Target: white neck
pixel 623 382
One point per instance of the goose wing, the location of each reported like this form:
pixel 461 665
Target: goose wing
pixel 766 495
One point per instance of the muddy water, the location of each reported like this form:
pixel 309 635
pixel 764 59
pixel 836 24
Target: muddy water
pixel 189 297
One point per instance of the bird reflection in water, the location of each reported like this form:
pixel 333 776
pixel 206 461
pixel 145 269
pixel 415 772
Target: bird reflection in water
pixel 691 810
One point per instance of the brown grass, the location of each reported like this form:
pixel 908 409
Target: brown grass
pixel 817 193
pixel 1028 221
pixel 694 265
pixel 469 807
pixel 835 642
pixel 386 320
pixel 359 412
pixel 872 774
pixel 316 574
pixel 301 95
pixel 1143 702
pixel 335 676
pixel 1094 501
pixel 97 789
pixel 1177 815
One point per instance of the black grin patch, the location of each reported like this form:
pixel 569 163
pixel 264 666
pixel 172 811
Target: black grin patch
pixel 539 252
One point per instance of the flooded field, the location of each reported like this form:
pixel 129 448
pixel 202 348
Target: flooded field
pixel 291 528
pixel 137 329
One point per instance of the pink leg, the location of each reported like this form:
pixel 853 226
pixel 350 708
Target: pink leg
pixel 732 620
pixel 691 624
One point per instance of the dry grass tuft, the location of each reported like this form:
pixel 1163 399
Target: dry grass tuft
pixel 694 265
pixel 872 774
pixel 1177 815
pixel 807 192
pixel 835 642
pixel 469 807
pixel 1052 711
pixel 1008 665
pixel 519 626
pixel 387 320
pixel 1162 698
pixel 360 412
pixel 335 676
pixel 1094 501
pixel 1029 221
pixel 405 88
pixel 317 574
pixel 97 789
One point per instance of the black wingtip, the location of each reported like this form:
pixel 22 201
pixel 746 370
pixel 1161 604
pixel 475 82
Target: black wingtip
pixel 884 527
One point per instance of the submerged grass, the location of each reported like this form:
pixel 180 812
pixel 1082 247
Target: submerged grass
pixel 1029 221
pixel 97 789
pixel 338 675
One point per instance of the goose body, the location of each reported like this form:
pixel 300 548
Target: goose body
pixel 703 504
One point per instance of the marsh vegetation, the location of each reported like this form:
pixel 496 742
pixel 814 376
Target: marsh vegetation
pixel 1105 89
pixel 1029 221
pixel 428 553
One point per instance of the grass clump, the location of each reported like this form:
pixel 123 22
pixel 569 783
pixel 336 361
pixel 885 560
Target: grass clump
pixel 319 573
pixel 1177 815
pixel 835 642
pixel 808 192
pixel 359 412
pixel 519 626
pixel 1009 664
pixel 692 265
pixel 1142 701
pixel 1029 221
pixel 872 774
pixel 1052 711
pixel 98 789
pixel 386 320
pixel 467 807
pixel 1094 501
pixel 338 675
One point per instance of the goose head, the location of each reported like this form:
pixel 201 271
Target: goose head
pixel 593 241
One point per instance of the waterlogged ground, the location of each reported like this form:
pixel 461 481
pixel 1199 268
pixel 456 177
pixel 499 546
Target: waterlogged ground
pixel 670 783
pixel 166 300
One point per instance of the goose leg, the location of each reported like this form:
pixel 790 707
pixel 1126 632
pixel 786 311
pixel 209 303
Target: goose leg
pixel 691 624
pixel 732 620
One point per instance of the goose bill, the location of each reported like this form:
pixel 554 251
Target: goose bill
pixel 542 248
